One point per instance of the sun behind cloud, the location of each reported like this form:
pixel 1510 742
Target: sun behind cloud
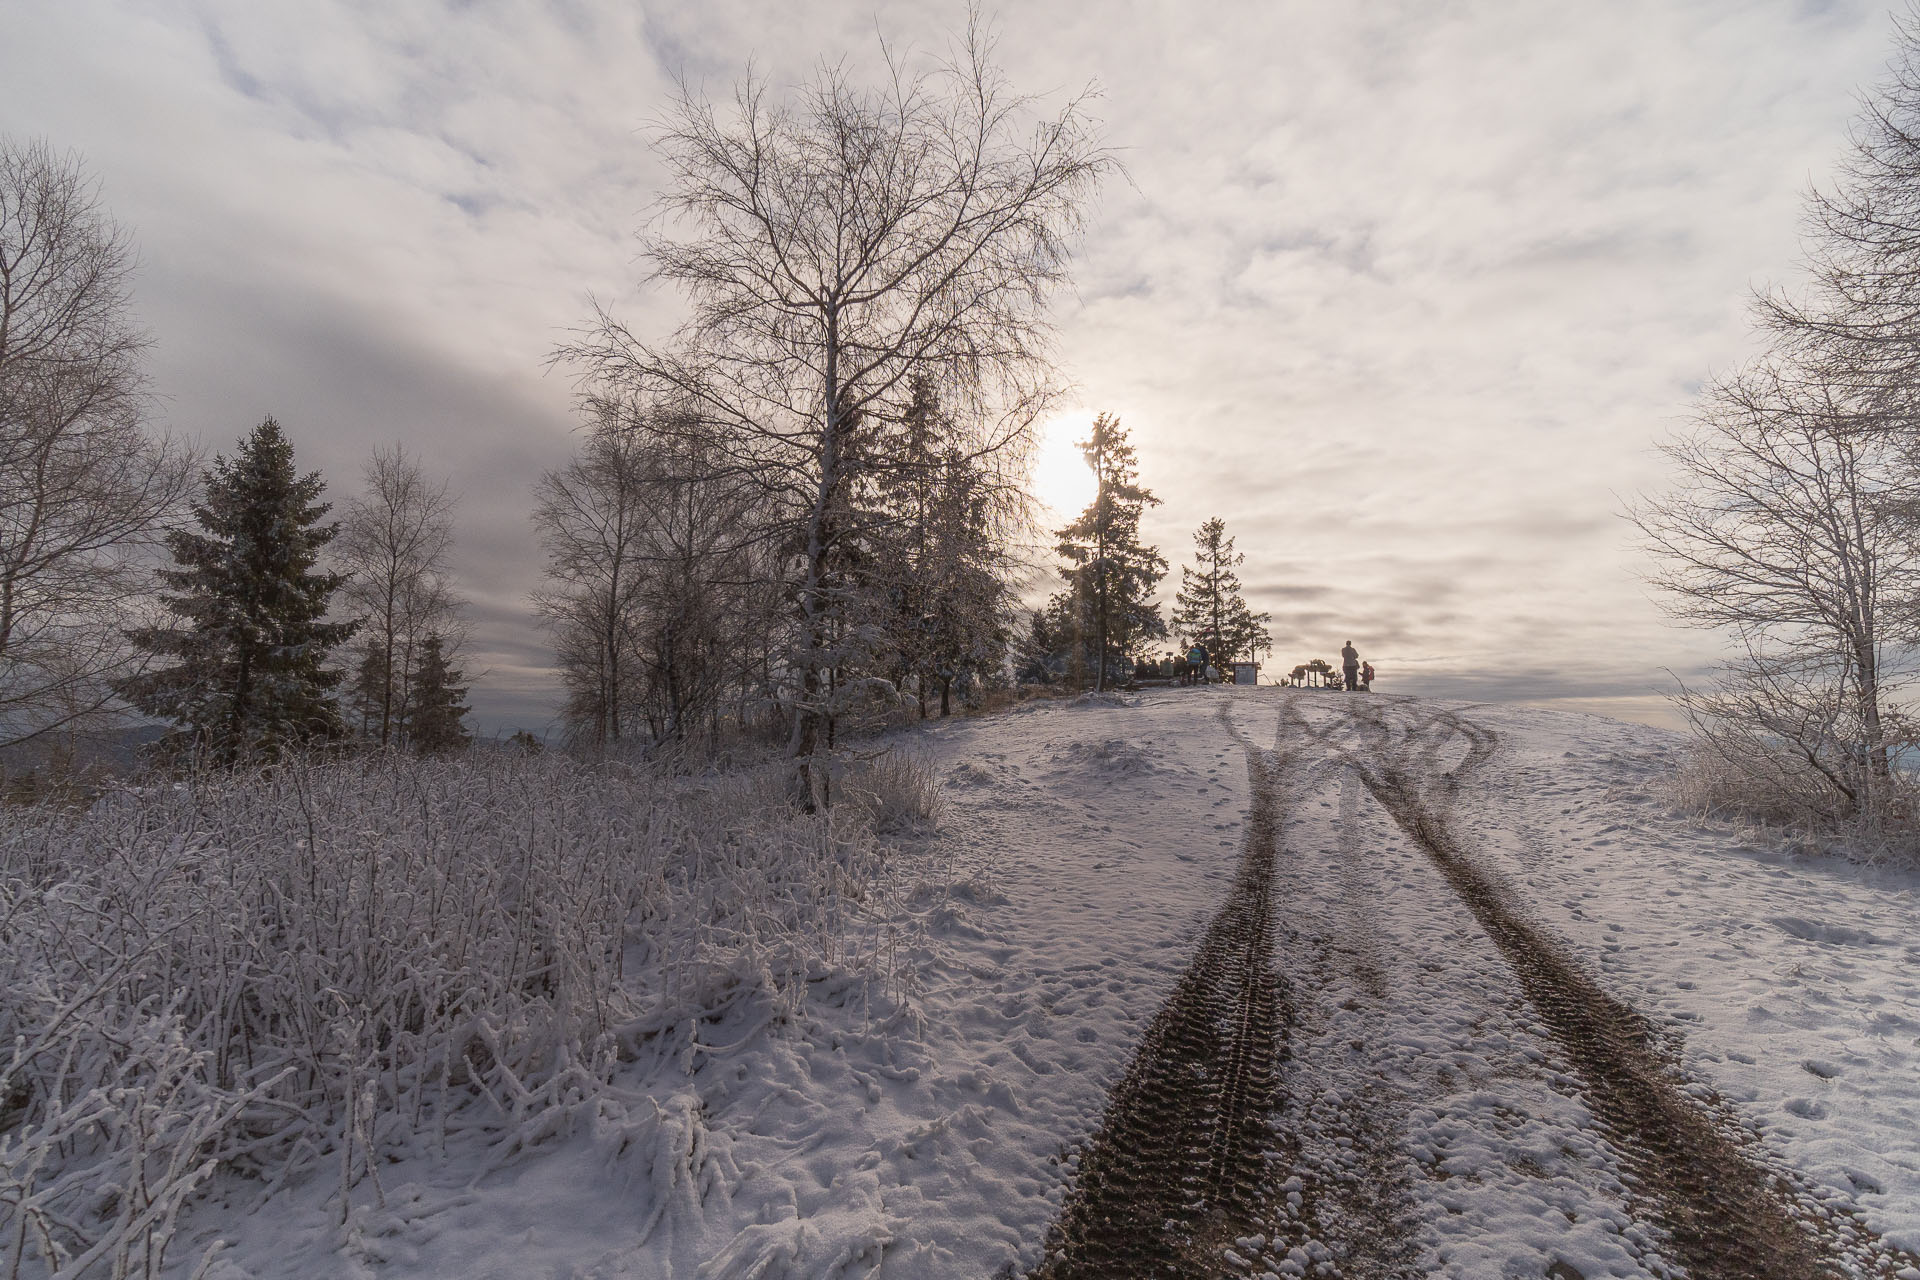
pixel 1061 477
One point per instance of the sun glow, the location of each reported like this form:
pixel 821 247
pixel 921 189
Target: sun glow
pixel 1061 477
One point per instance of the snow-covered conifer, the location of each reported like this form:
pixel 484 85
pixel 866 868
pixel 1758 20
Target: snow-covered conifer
pixel 1107 607
pixel 250 674
pixel 436 705
pixel 935 564
pixel 1210 608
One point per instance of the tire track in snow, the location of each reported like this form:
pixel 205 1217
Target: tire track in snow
pixel 1206 1162
pixel 1347 1210
pixel 1359 886
pixel 1726 1214
pixel 1350 1125
pixel 1182 1164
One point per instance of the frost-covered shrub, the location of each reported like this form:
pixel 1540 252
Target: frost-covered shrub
pixel 332 961
pixel 897 790
pixel 1781 795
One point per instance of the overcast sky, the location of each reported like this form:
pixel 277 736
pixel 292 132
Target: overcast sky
pixel 1403 291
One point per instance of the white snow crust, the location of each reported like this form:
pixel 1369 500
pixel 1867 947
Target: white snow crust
pixel 925 1129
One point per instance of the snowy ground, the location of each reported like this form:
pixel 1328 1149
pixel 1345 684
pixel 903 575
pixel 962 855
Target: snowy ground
pixel 1795 982
pixel 931 1129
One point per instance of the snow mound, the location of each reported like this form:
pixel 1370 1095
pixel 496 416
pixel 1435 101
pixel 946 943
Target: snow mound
pixel 843 1240
pixel 969 774
pixel 1104 699
pixel 1819 931
pixel 1115 758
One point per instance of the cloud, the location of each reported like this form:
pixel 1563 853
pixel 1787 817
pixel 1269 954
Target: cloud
pixel 1401 291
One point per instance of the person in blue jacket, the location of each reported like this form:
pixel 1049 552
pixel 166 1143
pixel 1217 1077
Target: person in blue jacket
pixel 1197 664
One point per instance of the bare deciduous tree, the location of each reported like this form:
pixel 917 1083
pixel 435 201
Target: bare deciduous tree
pixel 1791 526
pixel 1858 320
pixel 661 601
pixel 394 546
pixel 85 491
pixel 707 609
pixel 831 248
pixel 591 515
pixel 1796 515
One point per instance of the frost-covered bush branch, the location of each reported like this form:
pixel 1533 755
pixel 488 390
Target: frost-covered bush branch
pixel 316 967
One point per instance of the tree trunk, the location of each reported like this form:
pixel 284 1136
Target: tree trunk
pixel 386 668
pixel 1100 604
pixel 807 722
pixel 242 694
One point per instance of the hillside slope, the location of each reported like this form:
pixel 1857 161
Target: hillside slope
pixel 1411 1097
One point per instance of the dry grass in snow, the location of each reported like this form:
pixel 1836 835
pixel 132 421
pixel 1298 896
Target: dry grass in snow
pixel 1780 799
pixel 318 967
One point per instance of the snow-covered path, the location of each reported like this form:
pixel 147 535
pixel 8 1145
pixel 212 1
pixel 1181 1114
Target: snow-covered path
pixel 1250 890
pixel 1459 1095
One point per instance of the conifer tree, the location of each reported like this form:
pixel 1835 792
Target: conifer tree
pixel 437 706
pixel 1210 608
pixel 1108 604
pixel 367 694
pixel 932 557
pixel 250 677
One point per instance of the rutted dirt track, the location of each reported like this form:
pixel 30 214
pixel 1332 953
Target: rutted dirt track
pixel 1199 1169
pixel 1723 1211
pixel 1178 1169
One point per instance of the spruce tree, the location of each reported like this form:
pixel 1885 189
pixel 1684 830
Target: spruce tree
pixel 1108 604
pixel 1210 608
pixel 367 695
pixel 437 708
pixel 1036 660
pixel 967 629
pixel 931 557
pixel 250 677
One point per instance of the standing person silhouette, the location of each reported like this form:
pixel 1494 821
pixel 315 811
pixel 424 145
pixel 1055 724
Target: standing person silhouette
pixel 1350 665
pixel 1197 663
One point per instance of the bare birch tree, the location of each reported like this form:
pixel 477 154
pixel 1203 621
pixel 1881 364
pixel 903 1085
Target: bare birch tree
pixel 1794 520
pixel 394 546
pixel 1858 319
pixel 1791 527
pixel 833 245
pixel 590 517
pixel 707 609
pixel 85 490
pixel 660 599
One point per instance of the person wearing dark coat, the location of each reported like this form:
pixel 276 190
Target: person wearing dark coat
pixel 1350 665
